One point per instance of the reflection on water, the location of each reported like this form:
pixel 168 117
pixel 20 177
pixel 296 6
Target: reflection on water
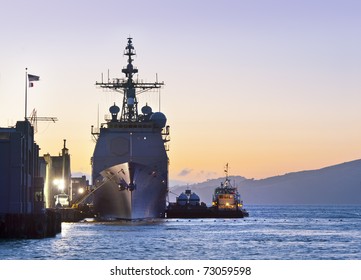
pixel 271 232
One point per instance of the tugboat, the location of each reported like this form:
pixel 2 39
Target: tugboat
pixel 130 162
pixel 226 203
pixel 226 197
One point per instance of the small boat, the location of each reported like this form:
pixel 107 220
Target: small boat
pixel 226 203
pixel 188 205
pixel 226 197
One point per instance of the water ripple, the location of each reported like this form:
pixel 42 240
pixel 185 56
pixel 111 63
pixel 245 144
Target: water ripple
pixel 271 232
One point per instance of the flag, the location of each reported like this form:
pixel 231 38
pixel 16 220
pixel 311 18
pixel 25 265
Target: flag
pixel 32 78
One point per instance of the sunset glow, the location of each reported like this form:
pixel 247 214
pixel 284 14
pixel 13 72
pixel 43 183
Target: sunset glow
pixel 270 87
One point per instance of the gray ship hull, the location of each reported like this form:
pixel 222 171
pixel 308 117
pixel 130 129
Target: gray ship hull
pixel 130 172
pixel 114 199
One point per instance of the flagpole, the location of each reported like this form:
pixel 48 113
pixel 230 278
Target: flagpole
pixel 26 92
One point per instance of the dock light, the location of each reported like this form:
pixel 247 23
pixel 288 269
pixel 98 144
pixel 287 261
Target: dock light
pixel 60 184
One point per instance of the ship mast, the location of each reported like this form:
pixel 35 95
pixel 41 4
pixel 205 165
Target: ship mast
pixel 128 86
pixel 227 182
pixel 226 171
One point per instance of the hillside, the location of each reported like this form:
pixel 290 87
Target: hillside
pixel 337 184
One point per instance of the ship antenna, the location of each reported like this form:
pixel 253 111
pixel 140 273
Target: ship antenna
pixel 159 102
pixel 226 171
pixel 98 117
pixel 128 86
pixel 130 108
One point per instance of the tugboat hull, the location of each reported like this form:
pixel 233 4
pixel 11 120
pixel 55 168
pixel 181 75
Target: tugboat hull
pixel 202 212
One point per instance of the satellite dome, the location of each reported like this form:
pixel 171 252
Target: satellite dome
pixel 159 119
pixel 114 109
pixel 146 110
pixel 182 199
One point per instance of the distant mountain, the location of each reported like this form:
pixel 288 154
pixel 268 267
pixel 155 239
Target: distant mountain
pixel 337 184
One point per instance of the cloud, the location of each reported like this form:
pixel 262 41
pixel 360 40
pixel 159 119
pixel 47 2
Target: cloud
pixel 206 175
pixel 185 172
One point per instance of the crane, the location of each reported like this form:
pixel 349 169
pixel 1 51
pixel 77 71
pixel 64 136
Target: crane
pixel 34 120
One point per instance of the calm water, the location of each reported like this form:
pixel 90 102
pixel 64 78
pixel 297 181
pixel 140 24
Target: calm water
pixel 271 232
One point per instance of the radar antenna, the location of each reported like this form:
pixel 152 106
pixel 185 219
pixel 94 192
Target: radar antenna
pixel 128 86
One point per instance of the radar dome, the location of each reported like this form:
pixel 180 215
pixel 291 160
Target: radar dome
pixel 146 110
pixel 182 199
pixel 114 109
pixel 159 119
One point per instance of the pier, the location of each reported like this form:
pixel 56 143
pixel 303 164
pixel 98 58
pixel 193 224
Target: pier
pixel 22 204
pixel 73 215
pixel 30 226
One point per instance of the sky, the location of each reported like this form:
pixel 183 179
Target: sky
pixel 270 87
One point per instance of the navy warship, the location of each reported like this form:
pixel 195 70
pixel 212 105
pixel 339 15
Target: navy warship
pixel 130 161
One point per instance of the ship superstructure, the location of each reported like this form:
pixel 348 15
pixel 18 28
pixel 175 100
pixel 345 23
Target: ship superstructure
pixel 130 162
pixel 226 197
